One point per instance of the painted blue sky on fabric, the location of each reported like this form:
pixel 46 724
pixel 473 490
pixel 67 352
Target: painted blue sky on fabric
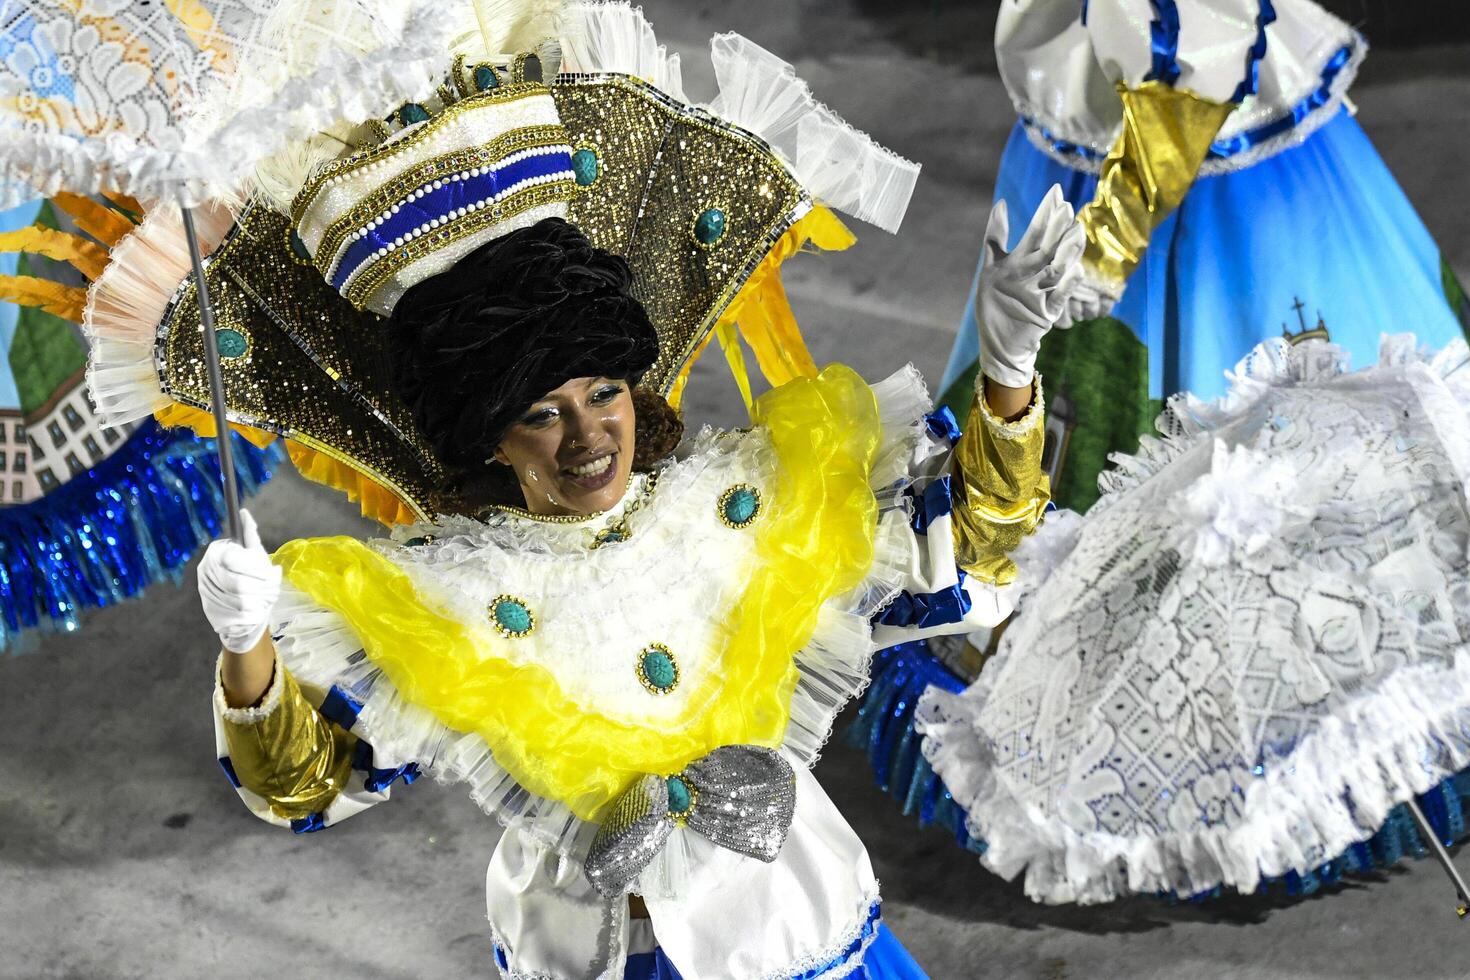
pixel 11 220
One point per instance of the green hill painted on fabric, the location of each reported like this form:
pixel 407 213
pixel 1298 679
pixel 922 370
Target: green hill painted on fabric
pixel 1455 293
pixel 45 352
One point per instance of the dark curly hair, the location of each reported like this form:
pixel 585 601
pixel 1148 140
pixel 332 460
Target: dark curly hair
pixel 519 316
pixel 472 348
pixel 472 491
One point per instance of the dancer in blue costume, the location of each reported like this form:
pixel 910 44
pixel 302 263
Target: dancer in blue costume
pixel 89 515
pixel 1222 185
pixel 1208 150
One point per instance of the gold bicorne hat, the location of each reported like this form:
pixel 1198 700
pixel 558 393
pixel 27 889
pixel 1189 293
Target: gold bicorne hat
pixel 704 202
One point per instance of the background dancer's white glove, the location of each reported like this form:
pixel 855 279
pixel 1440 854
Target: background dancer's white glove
pixel 1023 293
pixel 238 587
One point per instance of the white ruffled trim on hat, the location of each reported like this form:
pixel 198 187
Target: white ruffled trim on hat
pixel 1339 782
pixel 320 649
pixel 616 37
pixel 838 165
pixel 127 303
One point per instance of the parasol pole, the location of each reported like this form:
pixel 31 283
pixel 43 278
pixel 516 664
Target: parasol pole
pixel 216 379
pixel 1442 856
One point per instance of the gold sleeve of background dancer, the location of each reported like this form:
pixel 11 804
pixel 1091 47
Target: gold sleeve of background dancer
pixel 1166 134
pixel 999 492
pixel 293 757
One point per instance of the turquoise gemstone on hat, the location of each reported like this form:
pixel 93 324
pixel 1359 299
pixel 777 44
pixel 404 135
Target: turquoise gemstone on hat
pixel 679 795
pixel 513 616
pixel 585 167
pixel 231 343
pixel 741 506
pixel 659 670
pixel 709 227
pixel 412 112
pixel 485 78
pixel 299 247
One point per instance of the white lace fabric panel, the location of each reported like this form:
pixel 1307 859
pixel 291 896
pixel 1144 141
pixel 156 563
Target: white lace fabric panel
pixel 1246 653
pixel 168 99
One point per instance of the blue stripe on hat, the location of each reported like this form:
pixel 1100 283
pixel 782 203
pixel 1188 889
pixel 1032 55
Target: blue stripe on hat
pixel 438 202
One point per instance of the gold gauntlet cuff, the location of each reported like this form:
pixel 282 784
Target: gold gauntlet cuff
pixel 292 756
pixel 1166 134
pixel 1000 491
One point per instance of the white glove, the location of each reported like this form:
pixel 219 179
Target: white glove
pixel 1090 299
pixel 1022 294
pixel 238 587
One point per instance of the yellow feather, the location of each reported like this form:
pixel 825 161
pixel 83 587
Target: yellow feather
pixel 126 202
pixel 97 220
pixel 87 257
pixel 175 415
pixel 67 302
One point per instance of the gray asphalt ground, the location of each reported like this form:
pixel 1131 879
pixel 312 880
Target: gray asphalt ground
pixel 124 853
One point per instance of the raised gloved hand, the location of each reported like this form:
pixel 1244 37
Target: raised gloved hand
pixel 1092 298
pixel 238 587
pixel 1023 293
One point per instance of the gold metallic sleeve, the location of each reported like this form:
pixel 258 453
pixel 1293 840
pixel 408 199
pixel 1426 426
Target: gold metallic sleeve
pixel 293 757
pixel 1166 134
pixel 1001 491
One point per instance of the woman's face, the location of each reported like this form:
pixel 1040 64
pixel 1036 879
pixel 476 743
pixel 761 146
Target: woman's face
pixel 572 450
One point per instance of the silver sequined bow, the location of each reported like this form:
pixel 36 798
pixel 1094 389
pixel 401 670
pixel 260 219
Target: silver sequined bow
pixel 742 797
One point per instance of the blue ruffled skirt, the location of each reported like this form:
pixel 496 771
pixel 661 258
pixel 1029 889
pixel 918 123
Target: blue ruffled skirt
pixel 1324 223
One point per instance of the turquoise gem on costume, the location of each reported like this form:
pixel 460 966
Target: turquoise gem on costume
pixel 657 669
pixel 680 799
pixel 412 112
pixel 739 505
pixel 709 227
pixel 585 167
pixel 485 78
pixel 299 247
pixel 231 343
pixel 511 616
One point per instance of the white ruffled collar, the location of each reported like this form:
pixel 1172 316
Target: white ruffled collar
pixel 561 533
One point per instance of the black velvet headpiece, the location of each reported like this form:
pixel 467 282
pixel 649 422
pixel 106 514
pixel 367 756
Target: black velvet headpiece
pixel 518 317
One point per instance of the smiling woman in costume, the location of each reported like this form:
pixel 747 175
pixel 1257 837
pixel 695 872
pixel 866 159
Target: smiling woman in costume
pixel 527 356
pixel 631 656
pixel 729 600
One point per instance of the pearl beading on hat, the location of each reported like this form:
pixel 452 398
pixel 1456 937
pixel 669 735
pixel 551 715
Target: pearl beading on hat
pixel 442 220
pixel 437 183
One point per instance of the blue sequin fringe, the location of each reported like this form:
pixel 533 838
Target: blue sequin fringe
pixel 884 729
pixel 107 534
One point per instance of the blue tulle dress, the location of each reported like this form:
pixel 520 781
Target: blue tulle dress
pixel 1324 223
